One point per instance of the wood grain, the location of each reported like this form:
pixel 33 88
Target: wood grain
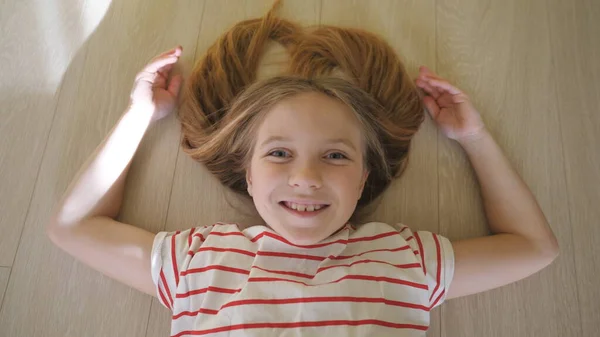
pixel 575 48
pixel 496 53
pixel 4 274
pixel 28 97
pixel 71 299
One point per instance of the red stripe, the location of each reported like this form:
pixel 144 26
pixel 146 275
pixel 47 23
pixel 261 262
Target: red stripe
pixel 163 298
pixel 294 256
pixel 416 252
pixel 438 299
pixel 216 249
pixel 374 237
pixel 402 230
pixel 422 252
pixel 361 239
pixel 277 237
pixel 401 266
pixel 439 266
pixel 205 290
pixel 331 257
pixel 166 287
pixel 199 235
pixel 191 236
pixel 195 313
pixel 226 233
pixel 231 291
pixel 217 267
pixel 174 259
pixel 302 324
pixel 326 299
pixel 282 272
pixel 347 277
pixel 342 257
pixel 304 300
pixel 409 238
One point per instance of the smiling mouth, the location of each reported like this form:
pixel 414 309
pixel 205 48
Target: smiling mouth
pixel 303 210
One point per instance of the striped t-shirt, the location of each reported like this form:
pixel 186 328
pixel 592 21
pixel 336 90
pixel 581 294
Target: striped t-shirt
pixel 366 280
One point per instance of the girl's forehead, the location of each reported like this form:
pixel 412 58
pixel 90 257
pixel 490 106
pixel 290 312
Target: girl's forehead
pixel 311 115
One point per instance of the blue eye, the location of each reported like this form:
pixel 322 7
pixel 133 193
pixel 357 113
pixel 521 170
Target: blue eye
pixel 278 153
pixel 339 155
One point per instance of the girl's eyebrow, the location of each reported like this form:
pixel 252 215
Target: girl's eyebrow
pixel 344 141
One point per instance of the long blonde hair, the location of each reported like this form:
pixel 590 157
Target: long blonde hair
pixel 224 103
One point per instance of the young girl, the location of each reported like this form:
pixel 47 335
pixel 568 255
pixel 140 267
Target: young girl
pixel 309 152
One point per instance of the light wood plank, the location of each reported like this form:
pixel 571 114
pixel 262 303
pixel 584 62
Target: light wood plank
pixel 574 28
pixel 412 199
pixel 499 54
pixel 4 274
pixel 28 99
pixel 95 93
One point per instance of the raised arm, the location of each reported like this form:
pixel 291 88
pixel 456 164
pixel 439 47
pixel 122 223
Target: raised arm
pixel 523 242
pixel 83 224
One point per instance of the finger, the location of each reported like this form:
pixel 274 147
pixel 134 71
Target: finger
pixel 445 100
pixel 159 82
pixel 441 84
pixel 164 71
pixel 173 51
pixel 426 77
pixel 426 71
pixel 168 57
pixel 159 63
pixel 432 107
pixel 175 85
pixel 428 88
pixel 431 90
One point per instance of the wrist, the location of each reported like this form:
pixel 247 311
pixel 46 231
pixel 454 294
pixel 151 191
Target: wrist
pixel 141 109
pixel 472 141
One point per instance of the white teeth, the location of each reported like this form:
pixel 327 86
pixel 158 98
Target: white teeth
pixel 303 208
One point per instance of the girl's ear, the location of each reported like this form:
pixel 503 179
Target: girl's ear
pixel 362 183
pixel 249 181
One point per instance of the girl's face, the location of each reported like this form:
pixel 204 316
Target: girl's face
pixel 307 172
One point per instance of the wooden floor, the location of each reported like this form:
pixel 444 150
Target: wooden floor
pixel 532 68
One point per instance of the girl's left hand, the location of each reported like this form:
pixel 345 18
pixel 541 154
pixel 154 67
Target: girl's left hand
pixel 150 89
pixel 450 108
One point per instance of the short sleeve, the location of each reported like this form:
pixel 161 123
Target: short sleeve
pixel 171 252
pixel 437 261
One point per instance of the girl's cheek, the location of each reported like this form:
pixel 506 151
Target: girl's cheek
pixel 271 171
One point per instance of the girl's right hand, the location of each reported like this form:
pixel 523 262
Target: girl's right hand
pixel 151 89
pixel 450 108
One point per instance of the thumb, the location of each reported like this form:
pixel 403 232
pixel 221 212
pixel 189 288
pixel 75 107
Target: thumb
pixel 432 107
pixel 175 85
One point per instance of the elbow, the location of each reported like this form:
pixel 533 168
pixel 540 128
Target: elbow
pixel 52 232
pixel 549 250
pixel 56 231
pixel 553 250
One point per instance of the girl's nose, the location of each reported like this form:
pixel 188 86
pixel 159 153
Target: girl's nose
pixel 306 176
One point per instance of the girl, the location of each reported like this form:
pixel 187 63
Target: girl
pixel 310 152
